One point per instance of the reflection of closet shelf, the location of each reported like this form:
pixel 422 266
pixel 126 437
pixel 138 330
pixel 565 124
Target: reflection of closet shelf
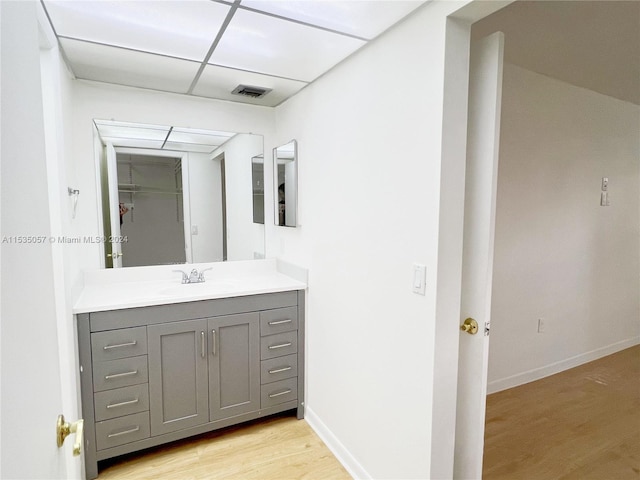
pixel 134 188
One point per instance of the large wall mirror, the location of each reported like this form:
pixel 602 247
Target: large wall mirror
pixel 173 195
pixel 285 167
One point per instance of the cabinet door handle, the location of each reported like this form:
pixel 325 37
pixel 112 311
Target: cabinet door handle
pixel 282 345
pixel 280 322
pixel 120 345
pixel 213 336
pixel 278 370
pixel 202 344
pixel 272 395
pixel 131 430
pixel 118 375
pixel 122 404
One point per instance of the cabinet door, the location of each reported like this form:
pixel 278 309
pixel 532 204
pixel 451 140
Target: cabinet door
pixel 234 365
pixel 177 375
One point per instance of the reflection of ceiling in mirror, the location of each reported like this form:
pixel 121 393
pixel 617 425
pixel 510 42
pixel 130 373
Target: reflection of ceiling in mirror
pixel 160 137
pixel 287 151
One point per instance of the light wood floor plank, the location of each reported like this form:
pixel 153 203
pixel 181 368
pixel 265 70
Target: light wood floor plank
pixel 277 448
pixel 583 423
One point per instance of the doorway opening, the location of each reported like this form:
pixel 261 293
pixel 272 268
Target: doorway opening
pixel 151 210
pixel 559 271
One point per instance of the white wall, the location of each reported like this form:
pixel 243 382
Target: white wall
pixel 559 255
pixel 369 145
pixel 244 238
pixel 205 197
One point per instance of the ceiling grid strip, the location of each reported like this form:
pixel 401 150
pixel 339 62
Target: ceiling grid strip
pixel 223 28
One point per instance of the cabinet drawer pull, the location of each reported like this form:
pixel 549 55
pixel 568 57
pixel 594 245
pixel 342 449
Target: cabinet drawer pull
pixel 118 375
pixel 282 345
pixel 278 370
pixel 122 404
pixel 280 322
pixel 202 344
pixel 132 430
pixel 272 395
pixel 213 346
pixel 130 344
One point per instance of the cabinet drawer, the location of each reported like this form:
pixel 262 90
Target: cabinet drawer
pixel 120 373
pixel 126 342
pixel 278 368
pixel 121 401
pixel 278 320
pixel 119 431
pixel 278 345
pixel 278 392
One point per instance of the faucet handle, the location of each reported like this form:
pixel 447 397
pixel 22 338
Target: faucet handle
pixel 185 277
pixel 201 275
pixel 193 276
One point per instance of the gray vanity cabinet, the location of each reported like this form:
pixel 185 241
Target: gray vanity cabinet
pixel 177 375
pixel 234 365
pixel 156 374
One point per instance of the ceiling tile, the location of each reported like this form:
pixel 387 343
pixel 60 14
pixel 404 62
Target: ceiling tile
pixel 189 147
pixel 111 128
pixel 133 142
pixel 125 67
pixel 194 138
pixel 273 46
pixel 218 82
pixel 366 19
pixel 184 29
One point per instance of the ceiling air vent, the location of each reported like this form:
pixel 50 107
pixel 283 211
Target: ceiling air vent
pixel 248 91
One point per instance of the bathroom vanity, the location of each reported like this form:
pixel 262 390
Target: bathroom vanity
pixel 188 360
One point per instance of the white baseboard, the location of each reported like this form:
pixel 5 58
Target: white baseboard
pixel 337 448
pixel 557 367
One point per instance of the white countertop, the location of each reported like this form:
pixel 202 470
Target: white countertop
pixel 115 289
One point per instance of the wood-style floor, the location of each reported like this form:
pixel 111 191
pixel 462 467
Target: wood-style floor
pixel 582 423
pixel 278 448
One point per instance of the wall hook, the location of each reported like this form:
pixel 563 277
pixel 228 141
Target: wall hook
pixel 75 194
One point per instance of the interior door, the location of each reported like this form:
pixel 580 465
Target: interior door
pixel 33 391
pixel 114 207
pixel 485 95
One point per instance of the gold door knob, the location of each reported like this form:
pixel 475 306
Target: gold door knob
pixel 470 326
pixel 64 428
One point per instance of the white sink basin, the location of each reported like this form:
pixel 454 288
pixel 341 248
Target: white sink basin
pixel 197 288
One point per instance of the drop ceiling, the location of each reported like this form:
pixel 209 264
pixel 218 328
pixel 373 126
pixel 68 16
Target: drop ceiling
pixel 208 47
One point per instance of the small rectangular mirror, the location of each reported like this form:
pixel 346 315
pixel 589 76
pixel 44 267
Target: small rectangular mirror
pixel 285 166
pixel 257 180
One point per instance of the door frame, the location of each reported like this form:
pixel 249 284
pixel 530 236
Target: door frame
pixel 451 231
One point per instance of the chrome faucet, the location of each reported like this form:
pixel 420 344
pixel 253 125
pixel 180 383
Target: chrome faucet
pixel 194 276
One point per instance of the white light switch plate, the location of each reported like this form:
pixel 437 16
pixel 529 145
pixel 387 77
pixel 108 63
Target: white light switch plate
pixel 419 278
